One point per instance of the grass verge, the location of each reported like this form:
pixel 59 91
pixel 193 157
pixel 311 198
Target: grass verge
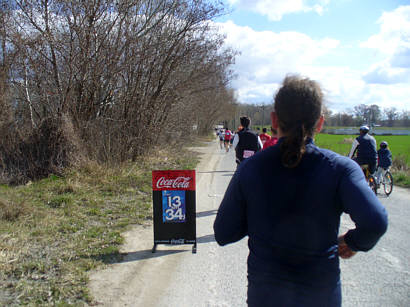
pixel 52 232
pixel 399 146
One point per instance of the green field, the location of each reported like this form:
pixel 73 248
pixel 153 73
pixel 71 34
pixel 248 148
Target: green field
pixel 399 145
pixel 375 128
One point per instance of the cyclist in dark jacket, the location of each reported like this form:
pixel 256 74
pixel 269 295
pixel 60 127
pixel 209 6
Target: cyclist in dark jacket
pixel 384 155
pixel 288 200
pixel 366 149
pixel 384 160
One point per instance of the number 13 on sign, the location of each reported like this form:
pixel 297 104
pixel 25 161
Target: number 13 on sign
pixel 173 206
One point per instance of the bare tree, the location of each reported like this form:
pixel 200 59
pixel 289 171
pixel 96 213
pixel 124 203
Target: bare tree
pixel 6 55
pixel 120 71
pixel 361 112
pixel 391 115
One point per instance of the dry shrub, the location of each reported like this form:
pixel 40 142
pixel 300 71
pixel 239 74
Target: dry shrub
pixel 399 163
pixel 10 211
pixel 67 187
pixel 39 152
pixel 347 141
pixel 107 141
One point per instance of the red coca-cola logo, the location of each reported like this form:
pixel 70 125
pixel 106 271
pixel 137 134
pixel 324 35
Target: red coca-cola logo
pixel 173 180
pixel 177 183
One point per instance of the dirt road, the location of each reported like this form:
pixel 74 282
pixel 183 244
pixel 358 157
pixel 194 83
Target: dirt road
pixel 173 276
pixel 216 276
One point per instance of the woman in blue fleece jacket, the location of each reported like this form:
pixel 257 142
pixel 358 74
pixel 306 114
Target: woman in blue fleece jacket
pixel 288 200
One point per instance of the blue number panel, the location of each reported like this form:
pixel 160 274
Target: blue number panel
pixel 173 206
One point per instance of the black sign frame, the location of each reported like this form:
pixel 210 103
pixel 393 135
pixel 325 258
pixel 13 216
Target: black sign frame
pixel 174 232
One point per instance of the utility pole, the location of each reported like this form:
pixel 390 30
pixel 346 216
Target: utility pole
pixel 263 114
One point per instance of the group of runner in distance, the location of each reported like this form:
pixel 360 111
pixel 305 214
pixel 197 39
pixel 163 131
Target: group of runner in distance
pixel 364 149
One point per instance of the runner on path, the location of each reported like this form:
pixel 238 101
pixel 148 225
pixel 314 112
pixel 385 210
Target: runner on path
pixel 264 136
pixel 288 200
pixel 227 139
pixel 246 142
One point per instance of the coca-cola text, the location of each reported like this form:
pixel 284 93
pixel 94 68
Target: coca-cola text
pixel 177 183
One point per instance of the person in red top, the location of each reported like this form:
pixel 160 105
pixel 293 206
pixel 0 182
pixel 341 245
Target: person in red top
pixel 228 136
pixel 264 136
pixel 273 140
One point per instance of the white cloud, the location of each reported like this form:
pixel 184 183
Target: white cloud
pixel 275 9
pixel 401 58
pixel 385 73
pixel 267 57
pixel 345 88
pixel 394 32
pixel 393 41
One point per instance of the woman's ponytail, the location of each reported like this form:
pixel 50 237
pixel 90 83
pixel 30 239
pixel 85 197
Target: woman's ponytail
pixel 298 105
pixel 293 147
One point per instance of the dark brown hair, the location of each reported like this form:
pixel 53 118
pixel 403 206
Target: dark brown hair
pixel 245 121
pixel 298 106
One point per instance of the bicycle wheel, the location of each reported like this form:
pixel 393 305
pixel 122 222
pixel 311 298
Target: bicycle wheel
pixel 388 183
pixel 373 184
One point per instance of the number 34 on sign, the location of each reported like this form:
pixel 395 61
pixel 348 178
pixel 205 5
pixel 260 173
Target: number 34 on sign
pixel 173 206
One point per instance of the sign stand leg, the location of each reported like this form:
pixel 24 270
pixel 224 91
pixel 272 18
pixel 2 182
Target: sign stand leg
pixel 154 248
pixel 194 248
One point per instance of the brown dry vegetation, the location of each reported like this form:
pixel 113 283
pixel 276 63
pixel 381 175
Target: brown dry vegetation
pixel 45 150
pixel 53 231
pixel 88 92
pixel 106 80
pixel 10 211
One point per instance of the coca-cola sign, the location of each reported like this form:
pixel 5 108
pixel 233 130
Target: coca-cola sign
pixel 177 183
pixel 173 180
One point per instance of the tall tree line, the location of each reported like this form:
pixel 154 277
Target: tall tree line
pixel 115 77
pixel 371 115
pixel 359 115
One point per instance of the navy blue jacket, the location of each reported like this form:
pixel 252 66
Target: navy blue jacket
pixel 385 157
pixel 367 149
pixel 292 217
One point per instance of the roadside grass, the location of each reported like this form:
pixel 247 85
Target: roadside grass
pixel 53 231
pixel 402 178
pixel 399 145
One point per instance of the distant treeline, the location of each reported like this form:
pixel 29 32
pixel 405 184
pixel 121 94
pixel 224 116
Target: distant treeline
pixel 106 80
pixel 371 115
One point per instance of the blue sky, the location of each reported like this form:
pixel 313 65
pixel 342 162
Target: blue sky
pixel 359 50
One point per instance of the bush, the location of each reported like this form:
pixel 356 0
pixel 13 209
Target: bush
pixel 402 179
pixel 10 211
pixel 399 163
pixel 41 151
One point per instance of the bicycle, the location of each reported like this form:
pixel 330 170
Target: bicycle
pixel 371 180
pixel 387 181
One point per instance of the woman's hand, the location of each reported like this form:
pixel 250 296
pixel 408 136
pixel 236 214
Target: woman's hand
pixel 344 251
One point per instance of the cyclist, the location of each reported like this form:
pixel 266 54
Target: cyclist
pixel 227 138
pixel 264 136
pixel 365 147
pixel 384 160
